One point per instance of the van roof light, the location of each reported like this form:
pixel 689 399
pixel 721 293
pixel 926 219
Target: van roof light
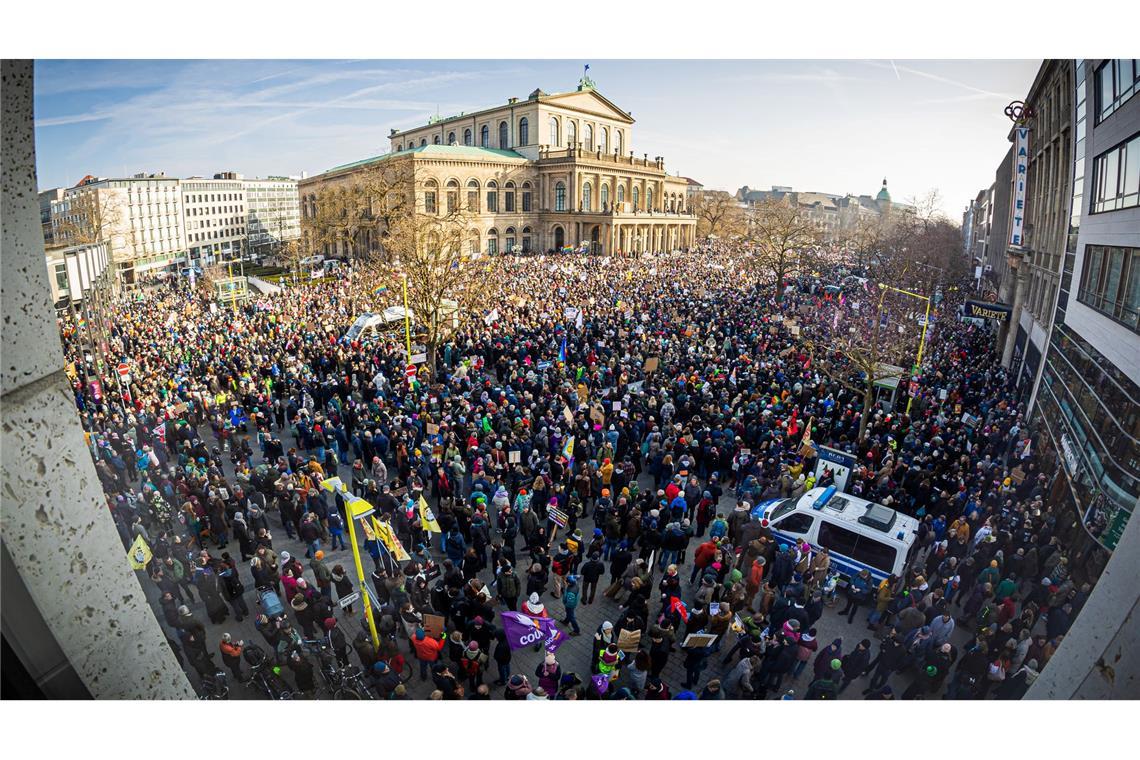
pixel 824 497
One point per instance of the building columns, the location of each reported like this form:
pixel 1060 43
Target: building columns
pixel 75 612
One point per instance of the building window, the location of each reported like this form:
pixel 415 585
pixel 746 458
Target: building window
pixel 1116 82
pixel 492 239
pixel 467 137
pixel 524 131
pixel 430 206
pixel 526 239
pixel 509 198
pixel 526 196
pixel 61 277
pixel 636 198
pixel 451 138
pixel 555 135
pixel 560 197
pixel 621 194
pixel 571 133
pixel 603 139
pixel 649 199
pixel 452 196
pixel 605 197
pixel 509 245
pixel 473 196
pixel 588 137
pixel 485 137
pixel 435 140
pixel 474 242
pixel 423 141
pixel 504 142
pixel 587 197
pixel 399 147
pixel 1116 177
pixel 492 196
pixel 1110 282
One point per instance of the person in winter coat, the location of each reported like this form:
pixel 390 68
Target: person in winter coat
pixel 231 655
pixel 738 683
pixel 858 593
pixel 808 645
pixel 822 664
pixel 502 657
pixel 302 670
pixel 518 687
pixel 891 657
pixel 427 650
pixel 508 587
pixel 549 673
pixel 855 663
pixel 473 663
pixel 342 583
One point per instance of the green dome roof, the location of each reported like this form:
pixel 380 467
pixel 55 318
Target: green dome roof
pixel 883 194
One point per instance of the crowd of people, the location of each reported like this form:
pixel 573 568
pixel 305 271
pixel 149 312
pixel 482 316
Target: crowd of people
pixel 595 425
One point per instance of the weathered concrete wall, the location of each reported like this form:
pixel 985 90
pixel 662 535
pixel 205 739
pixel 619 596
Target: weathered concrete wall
pixel 56 529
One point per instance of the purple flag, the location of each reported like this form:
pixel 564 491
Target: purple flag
pixel 601 682
pixel 524 630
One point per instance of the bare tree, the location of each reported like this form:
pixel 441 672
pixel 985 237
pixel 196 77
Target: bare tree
pixel 433 252
pixel 354 212
pixel 718 213
pixel 92 216
pixel 781 240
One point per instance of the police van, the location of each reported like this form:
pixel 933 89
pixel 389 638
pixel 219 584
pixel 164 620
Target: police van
pixel 859 534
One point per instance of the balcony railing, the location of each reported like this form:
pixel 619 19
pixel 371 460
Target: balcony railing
pixel 577 151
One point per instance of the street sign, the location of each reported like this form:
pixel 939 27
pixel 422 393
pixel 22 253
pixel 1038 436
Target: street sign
pixel 124 370
pixel 350 599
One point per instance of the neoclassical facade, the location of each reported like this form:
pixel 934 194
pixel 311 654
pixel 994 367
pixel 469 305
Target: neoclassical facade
pixel 550 172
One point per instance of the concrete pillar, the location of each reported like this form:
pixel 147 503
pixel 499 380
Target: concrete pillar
pixel 74 611
pixel 1100 656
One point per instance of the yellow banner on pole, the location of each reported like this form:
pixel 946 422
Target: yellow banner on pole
pixel 427 518
pixel 388 537
pixel 139 554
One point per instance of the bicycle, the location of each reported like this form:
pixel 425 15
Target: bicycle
pixel 264 675
pixel 341 682
pixel 214 687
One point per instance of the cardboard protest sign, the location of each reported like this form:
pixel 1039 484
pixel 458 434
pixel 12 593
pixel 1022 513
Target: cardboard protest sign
pixel 629 641
pixel 651 364
pixel 433 626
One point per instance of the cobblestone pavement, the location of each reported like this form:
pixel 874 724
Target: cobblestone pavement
pixel 574 655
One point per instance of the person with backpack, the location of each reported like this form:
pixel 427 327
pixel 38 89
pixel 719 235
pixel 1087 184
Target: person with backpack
pixel 508 587
pixel 826 686
pixel 570 600
pixel 560 566
pixel 472 664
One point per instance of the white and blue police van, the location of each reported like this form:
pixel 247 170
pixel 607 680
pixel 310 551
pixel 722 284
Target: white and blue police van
pixel 859 534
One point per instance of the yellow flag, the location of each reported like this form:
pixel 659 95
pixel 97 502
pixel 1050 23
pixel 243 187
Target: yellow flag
pixel 427 518
pixel 389 538
pixel 139 554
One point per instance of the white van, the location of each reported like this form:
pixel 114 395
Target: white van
pixel 370 325
pixel 859 534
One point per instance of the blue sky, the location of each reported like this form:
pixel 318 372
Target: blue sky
pixel 829 126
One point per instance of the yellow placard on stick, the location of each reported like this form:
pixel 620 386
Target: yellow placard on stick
pixel 427 518
pixel 139 554
pixel 388 537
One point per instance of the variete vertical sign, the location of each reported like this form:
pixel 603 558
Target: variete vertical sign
pixel 1020 166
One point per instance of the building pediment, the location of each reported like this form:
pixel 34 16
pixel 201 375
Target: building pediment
pixel 589 101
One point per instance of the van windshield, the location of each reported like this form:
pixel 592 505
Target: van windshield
pixel 783 508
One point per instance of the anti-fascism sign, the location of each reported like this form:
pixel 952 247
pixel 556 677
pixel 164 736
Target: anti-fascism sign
pixel 983 310
pixel 524 630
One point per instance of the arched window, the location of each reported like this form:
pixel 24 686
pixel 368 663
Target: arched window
pixel 472 195
pixel 621 193
pixel 526 239
pixel 555 135
pixel 451 138
pixel 485 137
pixel 636 197
pixel 399 147
pixel 492 240
pixel 492 196
pixel 560 197
pixel 524 131
pixel 617 142
pixel 571 133
pixel 435 140
pixel 504 141
pixel 467 137
pixel 649 199
pixel 509 242
pixel 474 238
pixel 605 197
pixel 603 139
pixel 526 198
pixel 588 137
pixel 587 197
pixel 430 194
pixel 423 141
pixel 509 198
pixel 452 196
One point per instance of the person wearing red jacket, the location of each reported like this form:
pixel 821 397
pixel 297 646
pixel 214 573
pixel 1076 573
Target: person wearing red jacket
pixel 427 650
pixel 702 558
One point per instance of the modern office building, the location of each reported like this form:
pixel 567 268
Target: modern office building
pixel 139 217
pixel 215 218
pixel 273 213
pixel 46 198
pixel 1087 408
pixel 544 173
